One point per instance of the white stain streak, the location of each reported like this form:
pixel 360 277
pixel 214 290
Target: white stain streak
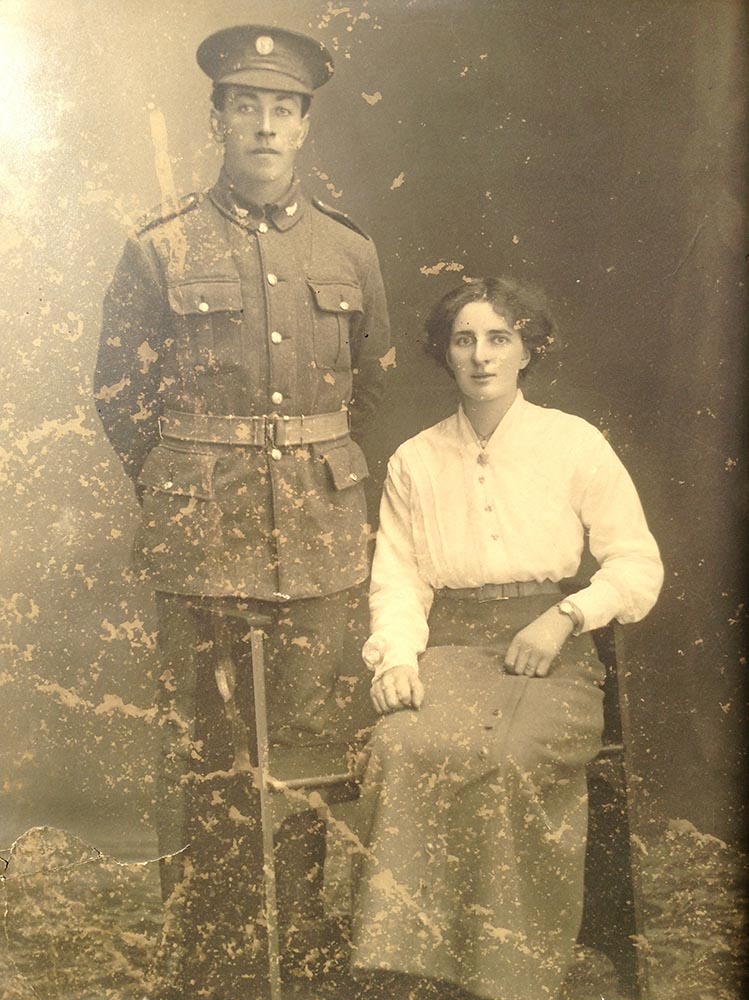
pixel 441 265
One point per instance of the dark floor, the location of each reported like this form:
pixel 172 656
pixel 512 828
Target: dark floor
pixel 78 925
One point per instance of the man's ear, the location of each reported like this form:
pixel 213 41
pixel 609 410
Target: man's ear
pixel 217 127
pixel 303 131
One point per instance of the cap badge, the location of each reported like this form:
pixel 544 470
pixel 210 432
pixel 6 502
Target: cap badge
pixel 264 45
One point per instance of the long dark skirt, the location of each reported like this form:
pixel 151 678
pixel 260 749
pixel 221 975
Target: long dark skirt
pixel 477 812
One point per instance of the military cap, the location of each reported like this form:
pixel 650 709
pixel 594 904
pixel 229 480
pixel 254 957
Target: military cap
pixel 255 55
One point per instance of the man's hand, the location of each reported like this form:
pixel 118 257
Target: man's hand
pixel 535 647
pixel 399 687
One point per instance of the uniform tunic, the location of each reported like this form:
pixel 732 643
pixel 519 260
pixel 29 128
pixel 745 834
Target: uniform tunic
pixel 476 804
pixel 218 309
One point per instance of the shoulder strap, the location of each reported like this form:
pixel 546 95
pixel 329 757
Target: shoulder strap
pixel 166 212
pixel 341 217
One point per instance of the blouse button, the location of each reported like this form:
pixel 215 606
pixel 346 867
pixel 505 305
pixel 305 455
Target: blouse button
pixel 482 459
pixel 481 479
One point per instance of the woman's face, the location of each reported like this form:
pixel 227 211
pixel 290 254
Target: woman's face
pixel 485 354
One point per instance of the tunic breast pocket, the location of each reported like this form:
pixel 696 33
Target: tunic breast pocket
pixel 208 323
pixel 336 304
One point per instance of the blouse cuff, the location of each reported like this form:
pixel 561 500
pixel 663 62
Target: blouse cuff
pixel 381 654
pixel 598 603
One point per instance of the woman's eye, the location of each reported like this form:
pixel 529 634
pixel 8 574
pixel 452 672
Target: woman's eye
pixel 463 340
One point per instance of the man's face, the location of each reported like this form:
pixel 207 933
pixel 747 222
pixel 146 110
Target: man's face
pixel 262 132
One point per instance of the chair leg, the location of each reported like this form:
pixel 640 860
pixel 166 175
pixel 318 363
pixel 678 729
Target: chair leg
pixel 266 813
pixel 611 918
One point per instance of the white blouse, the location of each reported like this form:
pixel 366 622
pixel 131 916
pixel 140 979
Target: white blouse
pixel 456 515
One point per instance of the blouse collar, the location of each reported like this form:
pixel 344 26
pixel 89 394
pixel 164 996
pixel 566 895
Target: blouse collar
pixel 469 438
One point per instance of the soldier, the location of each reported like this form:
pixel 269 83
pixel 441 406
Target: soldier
pixel 239 359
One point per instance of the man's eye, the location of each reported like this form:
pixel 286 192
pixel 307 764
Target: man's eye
pixel 283 111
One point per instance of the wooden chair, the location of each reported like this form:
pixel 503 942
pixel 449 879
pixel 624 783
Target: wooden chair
pixel 612 919
pixel 292 780
pixel 289 781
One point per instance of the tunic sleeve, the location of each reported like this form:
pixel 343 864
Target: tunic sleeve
pixel 370 342
pixel 400 599
pixel 631 573
pixel 127 377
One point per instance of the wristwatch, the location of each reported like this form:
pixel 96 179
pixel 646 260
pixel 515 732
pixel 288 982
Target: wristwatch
pixel 573 613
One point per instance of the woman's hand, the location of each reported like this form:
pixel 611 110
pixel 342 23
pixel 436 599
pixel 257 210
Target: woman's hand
pixel 535 647
pixel 399 687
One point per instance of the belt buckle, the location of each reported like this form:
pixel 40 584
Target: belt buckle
pixel 269 433
pixel 276 433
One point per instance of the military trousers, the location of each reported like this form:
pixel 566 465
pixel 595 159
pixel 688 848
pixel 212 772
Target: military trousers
pixel 215 939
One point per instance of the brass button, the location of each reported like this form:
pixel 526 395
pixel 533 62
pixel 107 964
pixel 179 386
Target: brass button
pixel 263 227
pixel 275 454
pixel 203 307
pixel 168 485
pixel 344 304
pixel 272 279
pixel 353 477
pixel 276 398
pixel 276 337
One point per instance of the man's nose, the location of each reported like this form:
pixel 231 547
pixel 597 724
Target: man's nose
pixel 265 124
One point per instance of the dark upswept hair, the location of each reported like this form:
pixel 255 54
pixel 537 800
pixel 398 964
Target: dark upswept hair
pixel 220 90
pixel 523 306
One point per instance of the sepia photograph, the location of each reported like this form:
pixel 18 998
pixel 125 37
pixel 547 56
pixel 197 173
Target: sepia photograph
pixel 373 618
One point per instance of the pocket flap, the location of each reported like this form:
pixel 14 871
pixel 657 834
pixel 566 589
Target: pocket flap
pixel 346 463
pixel 336 296
pixel 182 473
pixel 205 297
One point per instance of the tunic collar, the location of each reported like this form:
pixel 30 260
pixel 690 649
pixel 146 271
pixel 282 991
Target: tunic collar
pixel 469 438
pixel 283 215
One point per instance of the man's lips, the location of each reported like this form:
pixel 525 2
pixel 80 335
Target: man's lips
pixel 264 151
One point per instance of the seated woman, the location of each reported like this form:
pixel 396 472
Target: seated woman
pixel 474 870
